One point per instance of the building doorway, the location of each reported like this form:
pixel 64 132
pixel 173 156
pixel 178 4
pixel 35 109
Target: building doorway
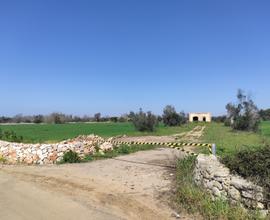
pixel 195 118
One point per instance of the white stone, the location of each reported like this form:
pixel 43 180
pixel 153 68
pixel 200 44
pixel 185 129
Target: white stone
pixel 234 193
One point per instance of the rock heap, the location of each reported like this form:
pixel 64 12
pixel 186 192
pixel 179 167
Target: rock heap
pixel 51 153
pixel 219 182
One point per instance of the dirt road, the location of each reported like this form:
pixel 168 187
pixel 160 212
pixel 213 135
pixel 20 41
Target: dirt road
pixel 134 186
pixel 189 136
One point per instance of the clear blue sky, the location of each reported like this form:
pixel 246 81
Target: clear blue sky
pixel 82 57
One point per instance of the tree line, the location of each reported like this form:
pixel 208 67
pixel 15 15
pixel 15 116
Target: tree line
pixel 142 120
pixel 242 115
pixel 60 118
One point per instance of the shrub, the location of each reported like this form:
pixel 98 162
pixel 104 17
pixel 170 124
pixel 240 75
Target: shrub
pixel 10 136
pixel 2 159
pixel 265 114
pixel 221 119
pixel 38 119
pixel 114 119
pixel 71 157
pixel 123 119
pixel 171 117
pixel 253 164
pixel 144 121
pixel 243 115
pixel 56 118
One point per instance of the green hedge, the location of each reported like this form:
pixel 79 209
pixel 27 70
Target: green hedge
pixel 252 164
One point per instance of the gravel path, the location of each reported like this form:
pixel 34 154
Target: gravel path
pixel 190 136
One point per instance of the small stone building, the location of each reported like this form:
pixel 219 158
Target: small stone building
pixel 203 117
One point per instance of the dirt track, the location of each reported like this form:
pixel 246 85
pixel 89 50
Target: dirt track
pixel 129 187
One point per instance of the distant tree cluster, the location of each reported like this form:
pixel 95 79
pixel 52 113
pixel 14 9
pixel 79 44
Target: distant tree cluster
pixel 265 114
pixel 60 118
pixel 219 119
pixel 144 121
pixel 244 115
pixel 171 118
pixel 147 121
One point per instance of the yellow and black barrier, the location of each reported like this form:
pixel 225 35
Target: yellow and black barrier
pixel 175 145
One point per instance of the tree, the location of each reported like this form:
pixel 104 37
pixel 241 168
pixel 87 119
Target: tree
pixel 171 117
pixel 38 119
pixel 56 118
pixel 243 115
pixel 265 114
pixel 18 118
pixel 97 117
pixel 114 119
pixel 144 121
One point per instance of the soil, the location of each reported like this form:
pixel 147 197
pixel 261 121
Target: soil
pixel 135 186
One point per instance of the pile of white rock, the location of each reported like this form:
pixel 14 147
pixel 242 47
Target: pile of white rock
pixel 51 153
pixel 212 175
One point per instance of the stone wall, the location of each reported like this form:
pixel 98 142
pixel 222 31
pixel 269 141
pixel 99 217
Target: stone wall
pixel 51 153
pixel 219 182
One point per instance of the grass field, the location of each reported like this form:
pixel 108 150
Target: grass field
pixel 57 132
pixel 265 128
pixel 229 141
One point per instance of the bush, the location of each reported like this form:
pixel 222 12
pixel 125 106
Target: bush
pixel 144 121
pixel 2 159
pixel 123 119
pixel 71 157
pixel 171 117
pixel 252 164
pixel 243 115
pixel 10 136
pixel 219 119
pixel 38 119
pixel 114 119
pixel 56 118
pixel 265 114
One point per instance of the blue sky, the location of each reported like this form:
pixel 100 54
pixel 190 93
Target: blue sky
pixel 112 56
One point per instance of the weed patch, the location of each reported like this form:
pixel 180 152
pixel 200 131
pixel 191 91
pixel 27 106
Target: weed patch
pixel 71 157
pixel 10 136
pixel 121 150
pixel 2 159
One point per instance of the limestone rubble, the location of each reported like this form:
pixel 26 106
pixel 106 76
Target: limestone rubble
pixel 51 153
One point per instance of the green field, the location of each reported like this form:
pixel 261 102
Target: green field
pixel 265 128
pixel 229 141
pixel 35 133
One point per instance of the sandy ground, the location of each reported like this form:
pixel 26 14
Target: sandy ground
pixel 135 186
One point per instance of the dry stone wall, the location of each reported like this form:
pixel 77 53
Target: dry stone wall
pixel 51 153
pixel 219 182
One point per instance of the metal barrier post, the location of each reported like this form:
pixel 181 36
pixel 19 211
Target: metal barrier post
pixel 214 149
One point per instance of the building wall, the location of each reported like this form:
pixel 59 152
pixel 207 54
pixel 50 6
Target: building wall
pixel 200 117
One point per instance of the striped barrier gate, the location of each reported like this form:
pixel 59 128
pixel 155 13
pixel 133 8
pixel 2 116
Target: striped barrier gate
pixel 175 145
